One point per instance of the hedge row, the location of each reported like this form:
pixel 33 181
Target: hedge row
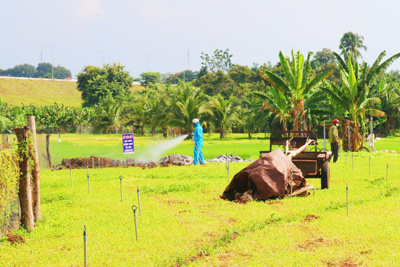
pixel 9 175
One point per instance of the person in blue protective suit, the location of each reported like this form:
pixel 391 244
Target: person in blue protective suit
pixel 198 142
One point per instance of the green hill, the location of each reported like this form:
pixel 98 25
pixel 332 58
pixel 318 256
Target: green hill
pixel 42 92
pixel 39 92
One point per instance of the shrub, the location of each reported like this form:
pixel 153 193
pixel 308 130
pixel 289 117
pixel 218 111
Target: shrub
pixel 9 174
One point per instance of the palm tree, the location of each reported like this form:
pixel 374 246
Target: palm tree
pixel 298 85
pixel 185 102
pixel 223 113
pixel 107 115
pixel 391 103
pixel 277 103
pixel 352 42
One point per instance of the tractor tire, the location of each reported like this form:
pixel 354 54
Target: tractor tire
pixel 363 149
pixel 325 175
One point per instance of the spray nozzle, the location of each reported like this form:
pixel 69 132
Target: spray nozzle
pixel 189 134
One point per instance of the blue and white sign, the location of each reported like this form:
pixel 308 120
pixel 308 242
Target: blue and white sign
pixel 128 145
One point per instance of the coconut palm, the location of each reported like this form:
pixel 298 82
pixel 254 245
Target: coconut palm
pixel 185 102
pixel 298 84
pixel 352 42
pixel 107 115
pixel 276 102
pixel 222 112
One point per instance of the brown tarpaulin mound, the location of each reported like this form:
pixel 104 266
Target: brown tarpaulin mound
pixel 268 177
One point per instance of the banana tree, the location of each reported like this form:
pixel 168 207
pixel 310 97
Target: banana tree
pixel 297 84
pixel 355 104
pixel 358 94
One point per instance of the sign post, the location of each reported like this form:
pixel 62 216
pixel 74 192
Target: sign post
pixel 128 144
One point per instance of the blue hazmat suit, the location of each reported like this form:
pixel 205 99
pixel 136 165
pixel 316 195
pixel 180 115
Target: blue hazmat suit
pixel 198 144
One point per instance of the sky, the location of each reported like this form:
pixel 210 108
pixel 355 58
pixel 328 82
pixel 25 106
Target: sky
pixel 168 36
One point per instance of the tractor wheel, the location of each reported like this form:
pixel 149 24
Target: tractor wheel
pixel 325 175
pixel 363 149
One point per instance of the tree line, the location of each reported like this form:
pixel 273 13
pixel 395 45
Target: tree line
pixel 298 93
pixel 43 70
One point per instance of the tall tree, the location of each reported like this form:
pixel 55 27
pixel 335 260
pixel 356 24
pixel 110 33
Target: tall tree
pixel 352 43
pixel 96 83
pixel 221 60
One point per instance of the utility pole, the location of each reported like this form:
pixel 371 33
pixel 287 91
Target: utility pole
pixel 52 71
pixel 188 60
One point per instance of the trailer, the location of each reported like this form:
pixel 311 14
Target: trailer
pixel 313 163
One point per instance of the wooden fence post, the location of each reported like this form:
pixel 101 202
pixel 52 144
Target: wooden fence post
pixel 48 151
pixel 35 172
pixel 25 189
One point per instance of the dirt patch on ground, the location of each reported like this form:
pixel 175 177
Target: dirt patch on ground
pixel 189 260
pixel 274 202
pixel 96 162
pixel 310 217
pixel 91 162
pixel 343 263
pixel 311 244
pixel 15 239
pixel 366 252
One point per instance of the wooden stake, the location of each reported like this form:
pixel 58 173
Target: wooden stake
pixel 25 188
pixel 35 172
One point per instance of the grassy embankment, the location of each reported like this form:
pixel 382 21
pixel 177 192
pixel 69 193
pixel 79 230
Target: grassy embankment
pixel 183 216
pixel 41 92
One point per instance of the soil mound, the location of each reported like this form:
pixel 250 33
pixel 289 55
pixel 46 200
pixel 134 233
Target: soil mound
pixel 82 163
pixel 15 239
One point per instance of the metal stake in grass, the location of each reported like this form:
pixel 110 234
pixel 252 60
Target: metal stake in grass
pixel 120 182
pixel 369 164
pixel 134 214
pixel 87 168
pixel 70 174
pixel 387 172
pixel 324 138
pixel 85 245
pixel 227 166
pixel 291 182
pixel 138 196
pixel 88 183
pixel 347 198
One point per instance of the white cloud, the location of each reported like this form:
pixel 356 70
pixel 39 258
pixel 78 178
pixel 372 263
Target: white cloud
pixel 89 8
pixel 156 10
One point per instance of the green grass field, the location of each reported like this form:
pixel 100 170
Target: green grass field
pixel 184 222
pixel 41 92
pixel 77 145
